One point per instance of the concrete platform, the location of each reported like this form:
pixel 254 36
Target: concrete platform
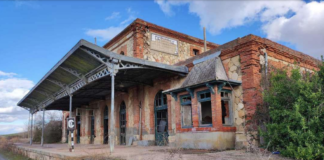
pixel 101 152
pixel 61 151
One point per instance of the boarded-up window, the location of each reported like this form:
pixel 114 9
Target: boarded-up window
pixel 186 116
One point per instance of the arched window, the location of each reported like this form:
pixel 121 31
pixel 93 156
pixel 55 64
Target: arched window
pixel 122 53
pixel 160 100
pixel 122 117
pixel 161 119
pixel 106 125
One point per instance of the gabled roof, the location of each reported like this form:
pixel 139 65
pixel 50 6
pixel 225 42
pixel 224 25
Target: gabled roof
pixel 207 70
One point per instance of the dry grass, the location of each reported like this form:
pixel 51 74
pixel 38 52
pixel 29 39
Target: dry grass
pixel 7 145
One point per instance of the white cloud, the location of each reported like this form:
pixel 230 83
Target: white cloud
pixel 304 29
pixel 9 129
pixel 166 6
pixel 105 34
pixel 110 32
pixel 7 74
pixel 114 15
pixel 12 89
pixel 296 22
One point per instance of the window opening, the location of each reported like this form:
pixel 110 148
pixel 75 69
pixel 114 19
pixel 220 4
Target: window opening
pixel 186 111
pixel 204 100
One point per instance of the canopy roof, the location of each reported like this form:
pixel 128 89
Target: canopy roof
pixel 84 72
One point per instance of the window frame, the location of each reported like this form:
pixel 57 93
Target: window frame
pixel 199 100
pixel 230 107
pixel 181 110
pixel 195 51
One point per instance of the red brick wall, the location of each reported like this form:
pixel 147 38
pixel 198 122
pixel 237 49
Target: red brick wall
pixel 216 114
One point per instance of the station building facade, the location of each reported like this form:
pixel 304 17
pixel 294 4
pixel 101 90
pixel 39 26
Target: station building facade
pixel 205 108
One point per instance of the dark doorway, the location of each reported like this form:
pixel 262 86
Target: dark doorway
pixel 78 128
pixel 122 123
pixel 161 119
pixel 67 136
pixel 106 125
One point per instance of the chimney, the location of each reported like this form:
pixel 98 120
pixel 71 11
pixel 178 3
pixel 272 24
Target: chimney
pixel 96 40
pixel 205 45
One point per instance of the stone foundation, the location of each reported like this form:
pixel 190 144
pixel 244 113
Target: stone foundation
pixel 208 140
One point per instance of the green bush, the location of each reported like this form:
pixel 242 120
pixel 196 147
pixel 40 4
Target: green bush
pixel 295 106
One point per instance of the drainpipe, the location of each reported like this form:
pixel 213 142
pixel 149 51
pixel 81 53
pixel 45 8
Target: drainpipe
pixel 140 121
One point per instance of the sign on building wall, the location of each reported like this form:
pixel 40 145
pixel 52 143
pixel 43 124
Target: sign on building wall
pixel 71 124
pixel 164 44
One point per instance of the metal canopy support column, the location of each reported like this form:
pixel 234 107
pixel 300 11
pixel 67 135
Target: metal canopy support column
pixel 28 129
pixel 31 129
pixel 42 140
pixel 113 69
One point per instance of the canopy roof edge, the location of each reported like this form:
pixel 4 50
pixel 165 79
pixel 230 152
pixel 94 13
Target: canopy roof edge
pixel 70 76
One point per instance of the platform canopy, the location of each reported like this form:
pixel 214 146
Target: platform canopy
pixel 84 72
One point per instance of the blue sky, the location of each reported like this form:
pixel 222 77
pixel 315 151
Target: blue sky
pixel 35 35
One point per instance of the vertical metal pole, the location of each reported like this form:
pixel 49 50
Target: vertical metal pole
pixel 28 127
pixel 31 129
pixel 42 140
pixel 70 116
pixel 205 45
pixel 70 113
pixel 112 119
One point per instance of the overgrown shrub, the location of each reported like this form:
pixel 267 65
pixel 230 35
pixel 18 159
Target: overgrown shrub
pixel 52 132
pixel 294 110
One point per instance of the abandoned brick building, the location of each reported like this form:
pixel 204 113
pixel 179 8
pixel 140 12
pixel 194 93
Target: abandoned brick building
pixel 168 90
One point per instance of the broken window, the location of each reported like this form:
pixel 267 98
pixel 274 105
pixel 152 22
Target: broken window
pixel 186 116
pixel 205 108
pixel 226 107
pixel 195 52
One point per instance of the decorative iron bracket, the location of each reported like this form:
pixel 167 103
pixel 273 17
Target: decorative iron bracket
pixel 95 55
pixel 174 95
pixel 62 85
pixel 100 74
pixel 191 92
pixel 210 87
pixel 220 87
pixel 112 64
pixel 72 71
pixel 130 66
